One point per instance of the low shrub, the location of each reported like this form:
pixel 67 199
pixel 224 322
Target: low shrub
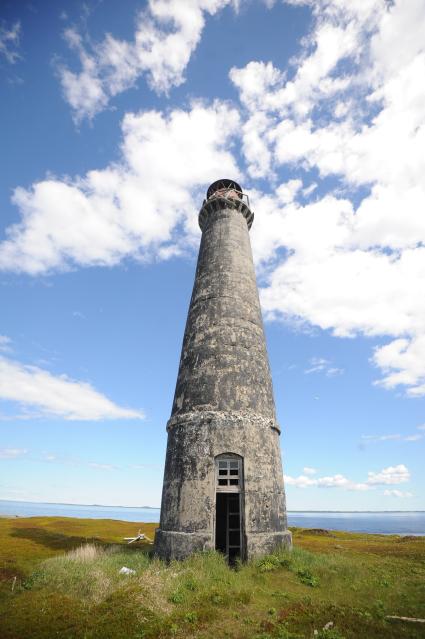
pixel 177 597
pixel 268 563
pixel 273 562
pixel 307 578
pixel 191 617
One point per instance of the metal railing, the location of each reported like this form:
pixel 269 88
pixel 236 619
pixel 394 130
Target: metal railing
pixel 231 194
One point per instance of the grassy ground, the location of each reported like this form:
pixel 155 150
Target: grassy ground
pixel 332 585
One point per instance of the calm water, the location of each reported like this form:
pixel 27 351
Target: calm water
pixel 35 509
pixel 402 523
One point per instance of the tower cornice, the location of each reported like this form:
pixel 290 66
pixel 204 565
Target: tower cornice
pixel 219 202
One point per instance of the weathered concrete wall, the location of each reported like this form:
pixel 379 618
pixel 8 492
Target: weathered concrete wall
pixel 224 399
pixel 224 354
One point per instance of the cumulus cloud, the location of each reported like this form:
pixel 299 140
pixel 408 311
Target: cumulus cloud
pixel 331 481
pixel 353 110
pixel 57 396
pixel 10 36
pixel 12 453
pixel 403 362
pixel 391 475
pixel 166 35
pixel 142 207
pixel 309 471
pixel 341 246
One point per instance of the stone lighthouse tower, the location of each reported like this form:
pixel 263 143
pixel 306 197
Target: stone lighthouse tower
pixel 223 481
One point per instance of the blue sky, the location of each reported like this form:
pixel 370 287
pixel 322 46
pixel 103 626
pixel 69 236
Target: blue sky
pixel 115 119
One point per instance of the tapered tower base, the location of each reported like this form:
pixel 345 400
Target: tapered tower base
pixel 170 544
pixel 197 442
pixel 177 545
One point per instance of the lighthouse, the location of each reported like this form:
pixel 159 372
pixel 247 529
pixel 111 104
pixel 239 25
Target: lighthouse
pixel 223 481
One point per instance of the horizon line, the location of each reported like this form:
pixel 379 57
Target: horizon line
pixel 61 503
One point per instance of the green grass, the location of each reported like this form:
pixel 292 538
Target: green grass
pixel 331 586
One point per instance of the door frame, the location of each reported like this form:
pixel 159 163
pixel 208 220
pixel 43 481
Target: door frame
pixel 232 490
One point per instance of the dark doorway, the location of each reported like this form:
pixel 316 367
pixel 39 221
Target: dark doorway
pixel 228 538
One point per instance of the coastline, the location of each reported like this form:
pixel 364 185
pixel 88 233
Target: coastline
pixel 397 523
pixel 71 504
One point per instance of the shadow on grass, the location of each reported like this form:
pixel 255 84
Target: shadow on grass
pixel 60 541
pixel 54 540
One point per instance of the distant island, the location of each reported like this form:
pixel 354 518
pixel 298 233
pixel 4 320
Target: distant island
pixel 65 503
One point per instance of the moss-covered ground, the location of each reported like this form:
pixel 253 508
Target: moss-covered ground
pixel 332 585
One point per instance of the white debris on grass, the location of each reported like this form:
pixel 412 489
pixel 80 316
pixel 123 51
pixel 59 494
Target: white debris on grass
pixel 139 537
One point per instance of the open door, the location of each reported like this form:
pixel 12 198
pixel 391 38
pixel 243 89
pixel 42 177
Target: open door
pixel 229 506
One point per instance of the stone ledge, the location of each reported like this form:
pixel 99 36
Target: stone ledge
pixel 220 418
pixel 265 543
pixel 172 544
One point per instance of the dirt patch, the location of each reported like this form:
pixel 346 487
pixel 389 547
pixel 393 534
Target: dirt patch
pixel 410 538
pixel 321 532
pixel 7 573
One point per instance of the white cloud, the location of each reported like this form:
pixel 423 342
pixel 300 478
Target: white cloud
pixel 166 35
pixel 355 259
pixel 10 41
pixel 287 191
pixel 309 471
pixel 391 475
pixel 321 365
pixel 403 362
pixel 57 396
pixel 263 87
pixel 142 207
pixel 393 437
pixel 145 466
pixel 332 481
pixel 97 466
pixel 339 481
pixel 71 461
pixel 381 438
pixel 397 493
pixel 12 453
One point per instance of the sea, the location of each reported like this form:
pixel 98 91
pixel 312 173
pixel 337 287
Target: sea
pixel 384 523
